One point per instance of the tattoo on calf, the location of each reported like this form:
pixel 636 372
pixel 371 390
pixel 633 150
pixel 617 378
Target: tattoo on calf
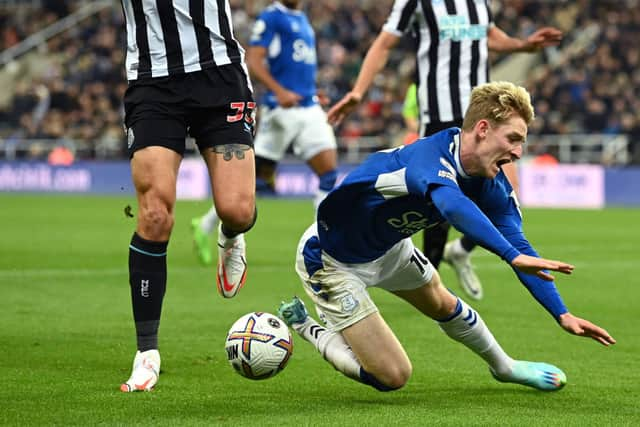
pixel 228 150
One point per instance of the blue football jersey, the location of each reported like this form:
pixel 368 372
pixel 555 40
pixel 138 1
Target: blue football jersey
pixel 291 51
pixel 398 192
pixel 386 198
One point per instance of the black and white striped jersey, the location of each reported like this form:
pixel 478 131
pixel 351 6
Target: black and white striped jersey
pixel 452 52
pixel 169 37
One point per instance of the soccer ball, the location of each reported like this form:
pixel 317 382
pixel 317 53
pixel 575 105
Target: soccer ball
pixel 258 345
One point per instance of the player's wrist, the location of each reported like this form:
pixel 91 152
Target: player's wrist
pixel 528 45
pixel 356 96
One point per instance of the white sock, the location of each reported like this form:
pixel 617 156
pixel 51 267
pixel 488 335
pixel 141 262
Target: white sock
pixel 457 248
pixel 331 346
pixel 209 221
pixel 468 328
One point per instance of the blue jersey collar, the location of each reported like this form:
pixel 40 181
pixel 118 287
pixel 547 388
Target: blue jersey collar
pixel 284 8
pixel 456 155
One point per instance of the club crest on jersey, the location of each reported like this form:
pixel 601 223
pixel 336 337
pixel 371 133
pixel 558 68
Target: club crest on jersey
pixel 349 303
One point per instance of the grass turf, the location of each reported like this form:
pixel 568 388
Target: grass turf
pixel 67 339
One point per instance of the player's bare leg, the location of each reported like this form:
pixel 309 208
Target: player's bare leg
pixel 463 324
pixel 154 171
pixel 232 172
pixel 385 364
pixel 374 356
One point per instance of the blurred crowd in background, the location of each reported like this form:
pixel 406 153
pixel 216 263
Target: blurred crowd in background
pixel 591 87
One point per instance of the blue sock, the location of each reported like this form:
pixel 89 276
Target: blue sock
pixel 328 180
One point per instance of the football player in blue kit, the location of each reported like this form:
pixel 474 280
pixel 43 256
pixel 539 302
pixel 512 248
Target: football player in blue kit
pixel 282 56
pixel 455 176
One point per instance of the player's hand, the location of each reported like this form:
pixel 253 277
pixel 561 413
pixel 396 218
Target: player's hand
pixel 343 108
pixel 287 98
pixel 544 37
pixel 534 265
pixel 581 327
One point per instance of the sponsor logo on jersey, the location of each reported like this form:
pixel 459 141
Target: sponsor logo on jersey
pixel 457 27
pixel 410 223
pixel 302 52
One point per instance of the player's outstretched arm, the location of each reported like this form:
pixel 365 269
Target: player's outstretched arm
pixel 581 327
pixel 534 265
pixel 499 41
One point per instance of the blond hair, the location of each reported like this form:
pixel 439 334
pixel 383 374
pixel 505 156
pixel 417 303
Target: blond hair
pixel 497 102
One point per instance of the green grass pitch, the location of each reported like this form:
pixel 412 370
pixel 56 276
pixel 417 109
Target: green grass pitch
pixel 67 338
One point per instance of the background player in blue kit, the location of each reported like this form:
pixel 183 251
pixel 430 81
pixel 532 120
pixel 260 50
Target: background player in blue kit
pixel 455 176
pixel 282 56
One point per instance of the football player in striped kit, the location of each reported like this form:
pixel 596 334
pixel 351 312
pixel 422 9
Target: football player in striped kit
pixel 282 56
pixel 187 76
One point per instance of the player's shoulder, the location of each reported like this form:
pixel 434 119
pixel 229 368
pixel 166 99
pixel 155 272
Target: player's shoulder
pixel 271 13
pixel 443 143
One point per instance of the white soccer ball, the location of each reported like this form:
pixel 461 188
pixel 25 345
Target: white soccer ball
pixel 258 345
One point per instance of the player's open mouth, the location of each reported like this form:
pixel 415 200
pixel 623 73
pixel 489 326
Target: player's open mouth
pixel 503 162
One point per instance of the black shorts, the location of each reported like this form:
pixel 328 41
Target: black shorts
pixel 436 127
pixel 214 106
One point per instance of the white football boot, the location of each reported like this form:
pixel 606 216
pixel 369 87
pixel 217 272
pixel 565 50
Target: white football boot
pixel 145 372
pixel 456 256
pixel 232 264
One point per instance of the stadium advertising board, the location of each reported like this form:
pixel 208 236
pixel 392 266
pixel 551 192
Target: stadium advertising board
pixel 575 186
pixel 570 186
pixel 94 177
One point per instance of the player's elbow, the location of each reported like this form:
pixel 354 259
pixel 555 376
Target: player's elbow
pixel 451 212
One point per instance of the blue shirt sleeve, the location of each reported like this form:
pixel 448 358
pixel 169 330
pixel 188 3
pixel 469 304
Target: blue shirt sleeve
pixel 466 217
pixel 263 30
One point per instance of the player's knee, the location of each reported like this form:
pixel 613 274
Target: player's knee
pixel 398 375
pixel 239 219
pixel 155 221
pixel 389 379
